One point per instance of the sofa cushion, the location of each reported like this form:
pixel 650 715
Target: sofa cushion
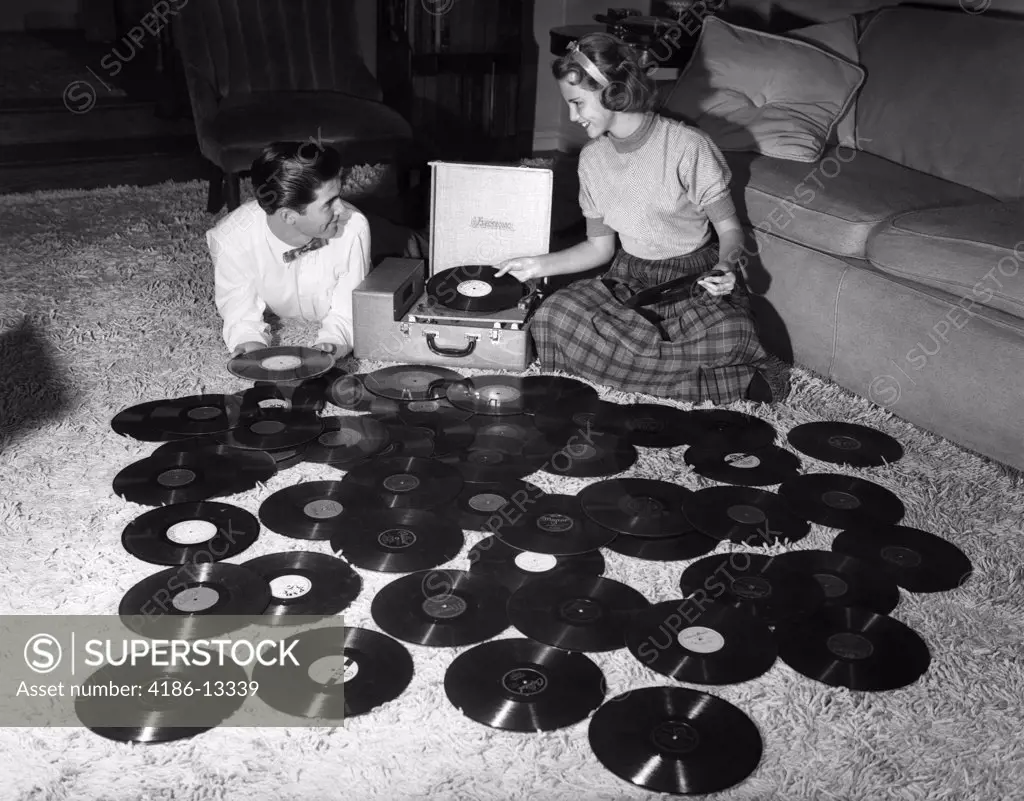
pixel 834 205
pixel 762 92
pixel 972 252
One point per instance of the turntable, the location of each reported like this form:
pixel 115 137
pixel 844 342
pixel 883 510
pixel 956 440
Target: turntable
pixel 457 313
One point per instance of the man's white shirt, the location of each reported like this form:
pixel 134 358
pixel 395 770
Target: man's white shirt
pixel 250 275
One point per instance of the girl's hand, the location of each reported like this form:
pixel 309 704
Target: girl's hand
pixel 719 285
pixel 522 269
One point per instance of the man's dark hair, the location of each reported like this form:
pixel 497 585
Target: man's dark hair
pixel 287 175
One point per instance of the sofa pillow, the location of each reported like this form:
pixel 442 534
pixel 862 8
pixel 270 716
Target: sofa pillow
pixel 762 92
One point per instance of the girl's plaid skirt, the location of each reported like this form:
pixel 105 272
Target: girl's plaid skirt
pixel 692 349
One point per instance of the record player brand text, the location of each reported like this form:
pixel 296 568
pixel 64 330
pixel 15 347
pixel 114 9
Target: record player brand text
pixel 494 225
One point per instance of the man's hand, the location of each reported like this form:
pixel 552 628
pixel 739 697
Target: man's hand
pixel 247 347
pixel 720 285
pixel 522 269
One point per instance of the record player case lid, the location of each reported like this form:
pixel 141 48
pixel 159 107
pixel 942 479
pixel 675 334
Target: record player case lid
pixel 486 213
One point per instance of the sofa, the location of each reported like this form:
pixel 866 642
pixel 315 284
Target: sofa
pixel 891 264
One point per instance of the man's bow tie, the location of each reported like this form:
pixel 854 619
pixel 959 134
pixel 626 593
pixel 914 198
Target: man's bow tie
pixel 313 244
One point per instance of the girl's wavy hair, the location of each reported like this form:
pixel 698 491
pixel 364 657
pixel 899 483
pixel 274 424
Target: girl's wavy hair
pixel 629 87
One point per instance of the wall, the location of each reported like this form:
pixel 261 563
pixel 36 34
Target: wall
pixel 41 13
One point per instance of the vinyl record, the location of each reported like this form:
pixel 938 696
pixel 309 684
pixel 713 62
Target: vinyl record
pixel 397 540
pixel 591 456
pixel 841 501
pixel 441 608
pixel 518 685
pixel 405 482
pixel 539 390
pixel 136 422
pixel 274 429
pixel 350 393
pixel 404 441
pixel 510 432
pixel 311 510
pixel 755 582
pixel 638 507
pixel 411 382
pixel 474 288
pixel 429 412
pixel 702 642
pixel 347 440
pixel 845 443
pixel 746 515
pixel 194 600
pixel 196 415
pixel 845 580
pixel 317 388
pixel 451 435
pixel 190 532
pixel 490 465
pixel 576 613
pixel 916 560
pixel 552 524
pixel 252 465
pixel 150 716
pixel 286 457
pixel 482 504
pixel 757 467
pixel 182 478
pixel 341 673
pixel 666 549
pixel 306 583
pixel 514 568
pixel 675 740
pixel 281 363
pixel 579 416
pixel 846 646
pixel 297 396
pixel 723 429
pixel 488 394
pixel 648 425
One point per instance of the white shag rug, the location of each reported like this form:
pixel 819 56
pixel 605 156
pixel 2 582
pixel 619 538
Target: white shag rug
pixel 107 301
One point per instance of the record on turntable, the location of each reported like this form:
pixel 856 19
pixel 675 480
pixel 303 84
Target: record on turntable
pixel 845 580
pixel 724 429
pixel 757 467
pixel 397 540
pixel 196 415
pixel 190 532
pixel 845 443
pixel 489 394
pixel 638 507
pixel 847 646
pixel 441 608
pixel 305 583
pixel 184 477
pixel 274 429
pixel 746 515
pixel 281 363
pixel 514 568
pixel 916 560
pixel 552 524
pixel 702 642
pixel 405 482
pixel 311 510
pixel 347 440
pixel 194 600
pixel 664 549
pixel 592 455
pixel 474 288
pixel 675 740
pixel 482 504
pixel 341 673
pixel 840 501
pixel 136 422
pixel 259 465
pixel 541 390
pixel 279 396
pixel 576 613
pixel 518 685
pixel 349 392
pixel 755 582
pixel 411 382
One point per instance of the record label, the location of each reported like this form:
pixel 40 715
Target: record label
pixel 701 640
pixel 290 586
pixel 849 646
pixel 397 540
pixel 306 583
pixel 191 532
pixel 535 562
pixel 323 509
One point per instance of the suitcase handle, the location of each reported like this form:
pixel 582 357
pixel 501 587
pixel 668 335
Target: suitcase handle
pixel 456 352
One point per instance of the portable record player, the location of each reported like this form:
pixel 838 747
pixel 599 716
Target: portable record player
pixel 453 310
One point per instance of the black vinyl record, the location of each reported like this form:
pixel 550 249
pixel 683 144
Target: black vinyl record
pixel 429 412
pixel 514 568
pixel 347 440
pixel 638 507
pixel 480 505
pixel 341 673
pixel 916 560
pixel 840 501
pixel 274 429
pixel 845 580
pixel 724 429
pixel 313 392
pixel 845 443
pixel 451 435
pixel 552 524
pixel 746 515
pixel 349 392
pixel 190 532
pixel 194 600
pixel 136 422
pixel 306 583
pixel 441 608
pixel 757 467
pixel 252 465
pixel 579 415
pixel 675 740
pixel 474 288
pixel 511 432
pixel 299 397
pixel 701 642
pixel 286 457
pixel 518 685
pixel 182 478
pixel 406 441
pixel 196 415
pixel 311 510
pixel 494 465
pixel 755 582
pixel 281 363
pixel 846 646
pixel 397 540
pixel 665 549
pixel 592 455
pixel 576 613
pixel 648 425
pixel 411 382
pixel 539 390
pixel 488 394
pixel 406 482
